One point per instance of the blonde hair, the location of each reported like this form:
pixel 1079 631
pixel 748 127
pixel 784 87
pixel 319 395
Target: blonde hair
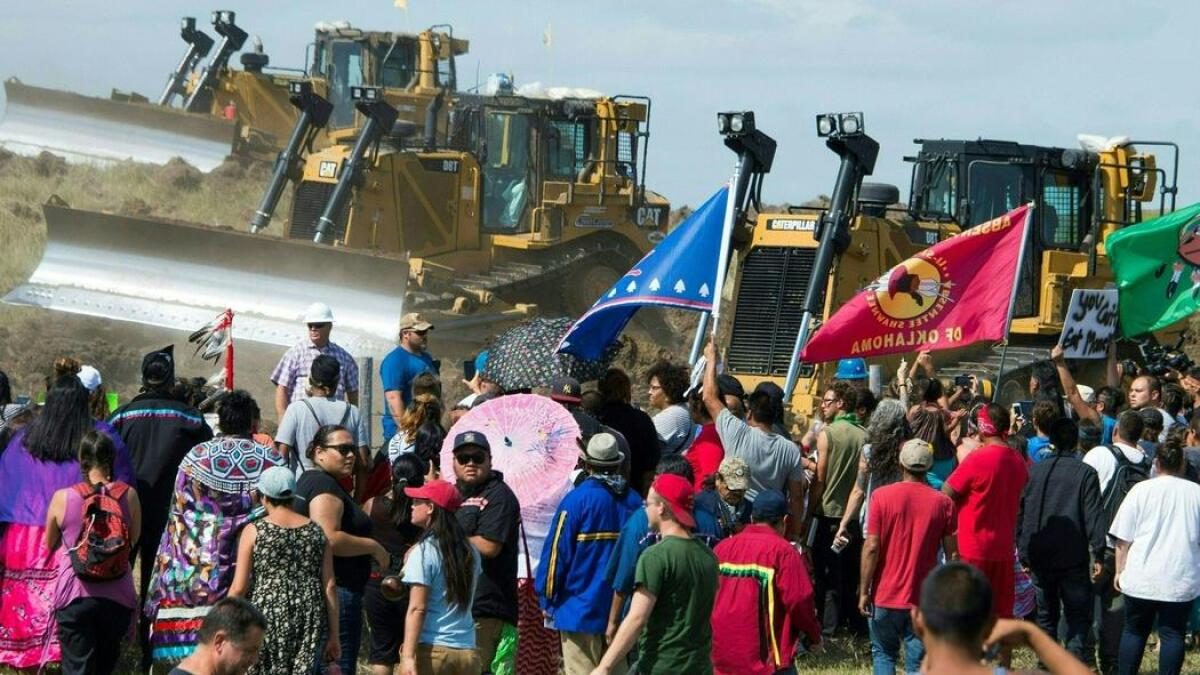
pixel 424 408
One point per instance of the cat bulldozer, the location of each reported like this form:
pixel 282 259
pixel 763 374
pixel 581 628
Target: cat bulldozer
pixel 206 113
pixel 795 269
pixel 514 201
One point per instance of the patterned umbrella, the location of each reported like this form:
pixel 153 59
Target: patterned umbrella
pixel 534 445
pixel 523 356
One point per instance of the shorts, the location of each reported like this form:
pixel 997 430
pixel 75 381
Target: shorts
pixel 386 621
pixel 1001 574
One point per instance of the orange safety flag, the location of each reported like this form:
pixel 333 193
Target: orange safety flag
pixel 951 294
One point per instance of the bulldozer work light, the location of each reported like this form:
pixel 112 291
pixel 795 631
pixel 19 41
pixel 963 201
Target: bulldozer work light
pixel 851 123
pixel 188 24
pixel 826 125
pixel 299 87
pixel 223 16
pixel 839 124
pixel 364 93
pixel 735 123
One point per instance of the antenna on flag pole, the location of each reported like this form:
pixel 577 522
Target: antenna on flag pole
pixel 1012 298
pixel 755 154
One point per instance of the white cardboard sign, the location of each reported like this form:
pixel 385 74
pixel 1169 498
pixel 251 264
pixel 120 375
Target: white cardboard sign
pixel 1090 323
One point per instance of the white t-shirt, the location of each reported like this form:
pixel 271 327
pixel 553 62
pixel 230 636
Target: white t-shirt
pixel 1161 519
pixel 1101 459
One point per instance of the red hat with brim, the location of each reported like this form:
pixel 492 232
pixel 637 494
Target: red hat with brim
pixel 439 492
pixel 678 493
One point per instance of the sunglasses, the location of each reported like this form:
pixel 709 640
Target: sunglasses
pixel 422 333
pixel 319 326
pixel 465 458
pixel 345 448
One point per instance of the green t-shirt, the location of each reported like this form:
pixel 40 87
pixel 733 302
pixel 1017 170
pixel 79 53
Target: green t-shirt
pixel 682 575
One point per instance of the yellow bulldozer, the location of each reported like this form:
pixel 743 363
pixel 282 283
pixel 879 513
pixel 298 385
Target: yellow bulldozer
pixel 496 200
pixel 205 113
pixel 795 269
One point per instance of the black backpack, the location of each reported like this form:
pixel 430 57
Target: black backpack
pixel 1124 478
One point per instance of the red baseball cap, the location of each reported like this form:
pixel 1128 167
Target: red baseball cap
pixel 677 491
pixel 439 492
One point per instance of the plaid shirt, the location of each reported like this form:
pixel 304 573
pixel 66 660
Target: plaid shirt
pixel 293 369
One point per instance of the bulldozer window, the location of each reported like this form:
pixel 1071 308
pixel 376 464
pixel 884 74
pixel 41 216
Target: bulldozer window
pixel 343 71
pixel 1061 210
pixel 995 189
pixel 400 68
pixel 935 193
pixel 506 172
pixel 568 145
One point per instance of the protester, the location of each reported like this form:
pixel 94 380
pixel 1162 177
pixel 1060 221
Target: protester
pixel 229 640
pixel 159 430
pixel 706 451
pixel 764 602
pixel 668 385
pixel 13 418
pixel 957 622
pixel 878 463
pixel 1060 528
pixel 907 524
pixel 986 489
pixel 490 516
pixel 1118 468
pixel 774 460
pixel 676 585
pixel 386 597
pixel 409 359
pixel 733 395
pixel 1157 533
pixel 1146 392
pixel 91 379
pixel 347 527
pixel 570 581
pixel 567 392
pixel 931 422
pixel 285 567
pixel 1103 408
pixel 319 408
pixel 637 536
pixel 723 496
pixel 40 459
pixel 93 614
pixel 212 502
pixel 293 369
pixel 1044 414
pixel 442 571
pixel 636 426
pixel 839 446
pixel 424 409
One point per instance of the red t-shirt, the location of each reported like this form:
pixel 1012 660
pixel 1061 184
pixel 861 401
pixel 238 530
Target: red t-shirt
pixel 910 520
pixel 705 454
pixel 989 484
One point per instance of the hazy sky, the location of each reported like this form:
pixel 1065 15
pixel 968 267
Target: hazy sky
pixel 1031 71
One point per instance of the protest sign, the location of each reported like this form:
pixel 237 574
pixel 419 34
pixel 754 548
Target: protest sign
pixel 1091 322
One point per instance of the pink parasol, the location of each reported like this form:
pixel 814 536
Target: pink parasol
pixel 534 445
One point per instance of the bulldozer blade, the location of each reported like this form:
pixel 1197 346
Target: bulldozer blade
pixel 88 129
pixel 181 275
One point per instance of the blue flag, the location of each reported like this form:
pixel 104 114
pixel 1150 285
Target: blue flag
pixel 680 272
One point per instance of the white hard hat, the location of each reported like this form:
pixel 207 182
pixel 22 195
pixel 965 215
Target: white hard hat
pixel 318 312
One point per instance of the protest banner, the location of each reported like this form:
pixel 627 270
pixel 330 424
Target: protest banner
pixel 1090 323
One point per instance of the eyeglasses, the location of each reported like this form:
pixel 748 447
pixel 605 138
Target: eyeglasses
pixel 828 401
pixel 345 448
pixel 319 326
pixel 465 458
pixel 655 387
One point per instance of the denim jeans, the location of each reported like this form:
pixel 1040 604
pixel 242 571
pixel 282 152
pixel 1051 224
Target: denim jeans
pixel 1068 591
pixel 892 629
pixel 1139 621
pixel 350 609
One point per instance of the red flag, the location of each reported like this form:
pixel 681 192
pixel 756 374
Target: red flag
pixel 951 294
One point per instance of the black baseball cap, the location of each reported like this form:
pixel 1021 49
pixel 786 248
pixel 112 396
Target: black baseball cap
pixel 566 389
pixel 472 438
pixel 158 367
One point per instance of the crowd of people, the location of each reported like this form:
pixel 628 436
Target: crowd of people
pixel 700 537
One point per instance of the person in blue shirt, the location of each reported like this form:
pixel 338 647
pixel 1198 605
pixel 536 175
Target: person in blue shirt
pixel 1044 415
pixel 583 534
pixel 403 364
pixel 1104 402
pixel 636 537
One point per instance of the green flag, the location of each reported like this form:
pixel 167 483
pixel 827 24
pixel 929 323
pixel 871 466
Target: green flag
pixel 1157 267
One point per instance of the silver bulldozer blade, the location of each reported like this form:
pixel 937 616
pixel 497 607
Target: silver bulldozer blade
pixel 87 129
pixel 181 275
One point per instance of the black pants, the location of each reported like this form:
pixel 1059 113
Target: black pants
pixel 1067 593
pixel 91 630
pixel 1109 620
pixel 154 521
pixel 836 578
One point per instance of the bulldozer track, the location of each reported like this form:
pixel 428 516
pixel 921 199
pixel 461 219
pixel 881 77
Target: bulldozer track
pixel 508 277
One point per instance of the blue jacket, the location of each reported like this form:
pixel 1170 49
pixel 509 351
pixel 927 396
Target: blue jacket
pixel 570 577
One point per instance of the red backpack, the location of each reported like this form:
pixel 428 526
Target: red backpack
pixel 103 549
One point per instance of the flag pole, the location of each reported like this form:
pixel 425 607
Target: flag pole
pixel 737 187
pixel 1012 298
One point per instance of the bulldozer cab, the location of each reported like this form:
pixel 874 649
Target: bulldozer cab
pixel 344 57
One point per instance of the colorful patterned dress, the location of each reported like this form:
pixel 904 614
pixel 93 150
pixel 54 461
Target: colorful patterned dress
pixel 213 500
